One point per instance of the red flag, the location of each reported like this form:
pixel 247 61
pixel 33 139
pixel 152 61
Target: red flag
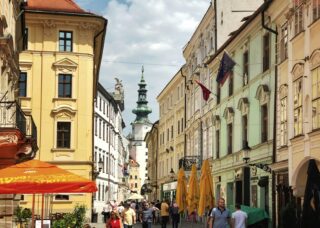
pixel 205 91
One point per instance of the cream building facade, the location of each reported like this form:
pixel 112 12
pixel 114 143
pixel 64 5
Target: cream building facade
pixel 171 128
pixel 61 66
pixel 298 108
pixel 152 141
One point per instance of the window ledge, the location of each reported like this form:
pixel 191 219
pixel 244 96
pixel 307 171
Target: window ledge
pixel 61 202
pixel 313 22
pixel 62 150
pixel 315 131
pixel 297 137
pixel 64 99
pixel 283 61
pixel 25 98
pixel 296 35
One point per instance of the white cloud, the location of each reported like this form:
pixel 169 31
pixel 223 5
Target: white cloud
pixel 150 32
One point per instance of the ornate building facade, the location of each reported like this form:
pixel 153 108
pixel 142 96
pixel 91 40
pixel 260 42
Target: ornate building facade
pixel 60 70
pixel 18 132
pixel 110 150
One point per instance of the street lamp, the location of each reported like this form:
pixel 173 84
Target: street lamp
pixel 172 174
pixel 246 150
pixel 96 172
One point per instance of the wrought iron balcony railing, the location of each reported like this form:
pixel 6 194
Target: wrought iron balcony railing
pixel 188 161
pixel 12 117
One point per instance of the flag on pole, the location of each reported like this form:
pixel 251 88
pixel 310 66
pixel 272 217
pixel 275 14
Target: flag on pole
pixel 205 91
pixel 225 68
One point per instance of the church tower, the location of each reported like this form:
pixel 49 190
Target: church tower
pixel 140 126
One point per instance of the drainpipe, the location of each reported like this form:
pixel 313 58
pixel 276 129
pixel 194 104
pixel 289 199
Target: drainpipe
pixel 274 148
pixel 215 25
pixel 185 112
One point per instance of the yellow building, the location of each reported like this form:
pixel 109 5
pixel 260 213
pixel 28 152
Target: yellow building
pixel 60 67
pixel 152 139
pixel 134 179
pixel 171 102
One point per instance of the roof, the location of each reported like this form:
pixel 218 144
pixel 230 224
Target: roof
pixel 54 5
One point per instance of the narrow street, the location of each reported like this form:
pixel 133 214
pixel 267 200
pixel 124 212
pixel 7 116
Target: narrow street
pixel 184 224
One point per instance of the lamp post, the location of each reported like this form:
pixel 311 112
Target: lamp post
pixel 96 172
pixel 246 152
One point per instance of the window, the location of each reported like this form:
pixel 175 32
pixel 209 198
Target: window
pixel 100 128
pixel 297 104
pixel 96 126
pixel 264 123
pixel 229 126
pixel 266 52
pixel 182 124
pixel 65 85
pixel 168 134
pixel 171 131
pixel 218 93
pixel 65 41
pixel 298 16
pixel 315 98
pixel 244 129
pixel 178 126
pixel 136 177
pixel 283 121
pixel 61 197
pixel 284 42
pixel 218 144
pixel 245 67
pixel 315 9
pixel 231 84
pixel 23 84
pixel 63 134
pixel 135 185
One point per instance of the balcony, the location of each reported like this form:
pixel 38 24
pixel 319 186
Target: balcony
pixel 18 134
pixel 188 161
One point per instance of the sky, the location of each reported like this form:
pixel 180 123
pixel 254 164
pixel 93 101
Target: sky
pixel 151 33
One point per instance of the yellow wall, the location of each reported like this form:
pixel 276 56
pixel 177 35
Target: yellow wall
pixel 43 62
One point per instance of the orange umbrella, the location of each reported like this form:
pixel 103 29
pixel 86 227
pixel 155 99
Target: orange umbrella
pixel 35 176
pixel 193 190
pixel 181 190
pixel 206 189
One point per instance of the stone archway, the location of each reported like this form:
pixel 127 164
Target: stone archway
pixel 299 177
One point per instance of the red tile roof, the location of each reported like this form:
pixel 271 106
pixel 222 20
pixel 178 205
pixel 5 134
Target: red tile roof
pixel 54 5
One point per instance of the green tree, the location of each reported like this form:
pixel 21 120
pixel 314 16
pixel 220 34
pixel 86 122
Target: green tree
pixel 22 215
pixel 72 220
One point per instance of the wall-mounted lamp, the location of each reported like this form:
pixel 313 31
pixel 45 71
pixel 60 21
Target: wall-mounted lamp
pixel 246 152
pixel 96 172
pixel 172 174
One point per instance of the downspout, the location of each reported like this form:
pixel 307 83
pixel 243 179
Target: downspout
pixel 215 25
pixel 274 146
pixel 185 113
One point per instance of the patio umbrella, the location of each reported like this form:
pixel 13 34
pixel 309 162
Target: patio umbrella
pixel 193 190
pixel 181 190
pixel 135 196
pixel 311 204
pixel 35 176
pixel 206 200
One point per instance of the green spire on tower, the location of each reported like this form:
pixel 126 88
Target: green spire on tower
pixel 142 110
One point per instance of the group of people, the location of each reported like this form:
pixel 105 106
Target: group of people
pixel 221 217
pixel 127 214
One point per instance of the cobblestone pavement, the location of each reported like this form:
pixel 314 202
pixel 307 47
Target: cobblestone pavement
pixel 184 224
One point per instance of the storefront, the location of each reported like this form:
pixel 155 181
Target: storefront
pixel 169 191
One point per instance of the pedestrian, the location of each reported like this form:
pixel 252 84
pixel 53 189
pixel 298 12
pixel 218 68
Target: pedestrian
pixel 128 216
pixel 220 216
pixel 120 208
pixel 158 205
pixel 114 221
pixel 239 218
pixel 164 213
pixel 174 213
pixel 146 215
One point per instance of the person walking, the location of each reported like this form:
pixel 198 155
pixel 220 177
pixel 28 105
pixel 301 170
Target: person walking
pixel 239 218
pixel 114 221
pixel 175 216
pixel 164 213
pixel 146 215
pixel 220 216
pixel 128 216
